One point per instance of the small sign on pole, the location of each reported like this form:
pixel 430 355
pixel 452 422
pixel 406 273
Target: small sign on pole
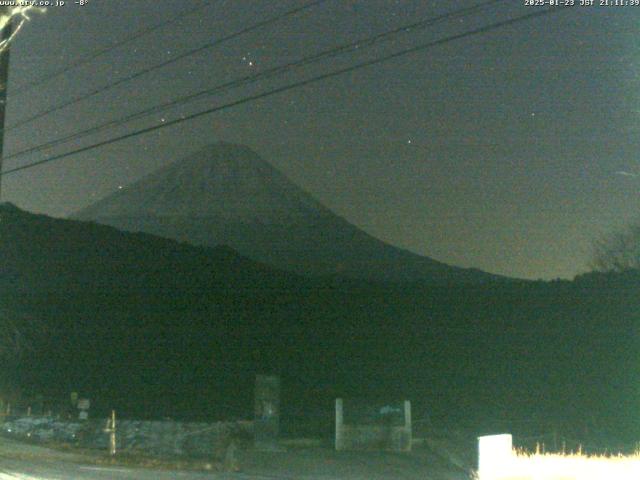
pixel 83 406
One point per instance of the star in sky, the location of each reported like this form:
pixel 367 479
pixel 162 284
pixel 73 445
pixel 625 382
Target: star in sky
pixel 247 59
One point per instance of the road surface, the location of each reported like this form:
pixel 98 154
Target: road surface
pixel 59 470
pixel 20 461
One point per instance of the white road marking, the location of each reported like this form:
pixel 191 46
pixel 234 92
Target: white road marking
pixel 18 476
pixel 107 469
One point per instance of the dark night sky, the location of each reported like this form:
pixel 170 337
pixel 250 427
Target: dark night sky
pixel 501 151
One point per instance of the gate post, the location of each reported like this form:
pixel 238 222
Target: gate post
pixel 339 425
pixel 267 411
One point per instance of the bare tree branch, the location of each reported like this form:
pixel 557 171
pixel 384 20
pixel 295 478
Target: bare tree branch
pixel 618 252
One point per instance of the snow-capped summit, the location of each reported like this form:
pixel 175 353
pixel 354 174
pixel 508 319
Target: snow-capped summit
pixel 221 180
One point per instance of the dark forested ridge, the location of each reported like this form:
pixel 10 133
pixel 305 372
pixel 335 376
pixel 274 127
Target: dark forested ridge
pixel 156 328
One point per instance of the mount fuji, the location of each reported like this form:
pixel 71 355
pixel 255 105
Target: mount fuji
pixel 226 194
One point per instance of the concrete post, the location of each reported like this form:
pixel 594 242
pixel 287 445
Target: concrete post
pixel 267 411
pixel 495 453
pixel 407 425
pixel 339 425
pixel 407 414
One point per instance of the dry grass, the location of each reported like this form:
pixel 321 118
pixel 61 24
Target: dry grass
pixel 572 466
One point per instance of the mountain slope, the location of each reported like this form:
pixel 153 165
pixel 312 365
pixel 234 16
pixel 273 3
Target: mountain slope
pixel 153 327
pixel 227 195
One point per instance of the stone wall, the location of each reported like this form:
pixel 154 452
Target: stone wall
pixel 161 438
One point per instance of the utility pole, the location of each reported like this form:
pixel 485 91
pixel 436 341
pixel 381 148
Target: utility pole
pixel 4 81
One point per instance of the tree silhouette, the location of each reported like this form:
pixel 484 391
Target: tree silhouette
pixel 17 335
pixel 618 252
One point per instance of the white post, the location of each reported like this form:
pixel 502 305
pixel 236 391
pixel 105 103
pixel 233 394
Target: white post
pixel 110 428
pixel 407 424
pixel 407 414
pixel 339 425
pixel 112 434
pixel 495 453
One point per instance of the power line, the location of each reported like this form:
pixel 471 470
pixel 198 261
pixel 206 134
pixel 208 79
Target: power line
pixel 103 51
pixel 329 53
pixel 165 63
pixel 291 86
